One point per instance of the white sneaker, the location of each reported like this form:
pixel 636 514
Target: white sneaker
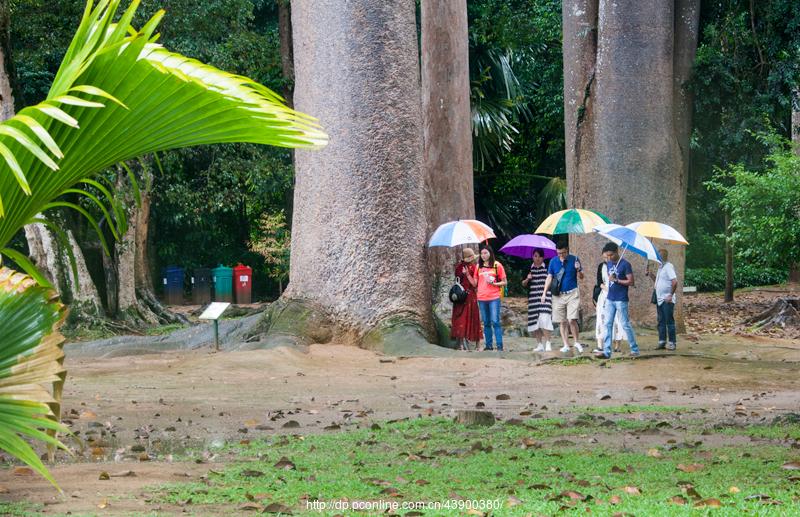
pixel 547 347
pixel 564 349
pixel 539 348
pixel 579 348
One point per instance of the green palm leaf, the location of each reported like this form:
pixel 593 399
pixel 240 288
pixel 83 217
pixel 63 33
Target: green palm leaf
pixel 118 95
pixel 30 357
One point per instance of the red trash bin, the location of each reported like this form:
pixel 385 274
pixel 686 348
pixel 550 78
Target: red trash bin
pixel 243 283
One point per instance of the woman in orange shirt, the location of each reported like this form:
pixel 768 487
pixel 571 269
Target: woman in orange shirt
pixel 491 280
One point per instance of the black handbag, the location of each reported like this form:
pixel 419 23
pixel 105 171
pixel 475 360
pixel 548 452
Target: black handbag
pixel 597 286
pixel 654 298
pixel 555 285
pixel 457 293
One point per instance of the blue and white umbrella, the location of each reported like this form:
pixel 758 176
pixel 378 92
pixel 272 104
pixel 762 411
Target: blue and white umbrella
pixel 629 239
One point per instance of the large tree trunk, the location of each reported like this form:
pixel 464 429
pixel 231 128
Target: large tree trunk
pixel 287 52
pixel 6 94
pixel 136 305
pixel 447 134
pixel 358 233
pixel 627 121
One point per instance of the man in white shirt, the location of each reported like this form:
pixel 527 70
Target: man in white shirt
pixel 666 283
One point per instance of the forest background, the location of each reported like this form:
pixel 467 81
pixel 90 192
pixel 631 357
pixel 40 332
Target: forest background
pixel 232 203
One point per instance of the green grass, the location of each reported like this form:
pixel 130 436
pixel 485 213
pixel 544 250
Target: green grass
pixel 766 431
pixel 21 509
pixel 631 408
pixel 436 460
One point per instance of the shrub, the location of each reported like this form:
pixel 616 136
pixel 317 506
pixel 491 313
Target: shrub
pixel 713 279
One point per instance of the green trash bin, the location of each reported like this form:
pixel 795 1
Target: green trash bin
pixel 223 283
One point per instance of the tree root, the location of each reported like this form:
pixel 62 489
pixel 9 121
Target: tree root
pixel 784 312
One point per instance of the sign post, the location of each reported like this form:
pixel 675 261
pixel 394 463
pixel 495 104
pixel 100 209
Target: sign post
pixel 213 312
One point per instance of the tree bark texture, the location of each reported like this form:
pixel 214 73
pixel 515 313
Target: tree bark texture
pixel 359 227
pixel 6 93
pixel 287 53
pixel 447 133
pixel 627 122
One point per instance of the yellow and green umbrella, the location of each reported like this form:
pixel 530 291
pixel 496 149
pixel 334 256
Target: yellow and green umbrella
pixel 574 220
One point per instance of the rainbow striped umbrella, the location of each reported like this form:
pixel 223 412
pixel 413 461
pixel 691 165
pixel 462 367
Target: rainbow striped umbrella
pixel 463 231
pixel 574 220
pixel 659 231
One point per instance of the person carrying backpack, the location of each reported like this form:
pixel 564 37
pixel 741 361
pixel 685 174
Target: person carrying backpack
pixel 491 282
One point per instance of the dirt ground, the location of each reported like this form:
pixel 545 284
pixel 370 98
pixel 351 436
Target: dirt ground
pixel 141 416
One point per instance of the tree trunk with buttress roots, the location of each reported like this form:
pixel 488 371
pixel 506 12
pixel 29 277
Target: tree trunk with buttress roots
pixel 358 269
pixel 627 123
pixel 447 138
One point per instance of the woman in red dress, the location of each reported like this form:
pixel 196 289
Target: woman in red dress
pixel 466 324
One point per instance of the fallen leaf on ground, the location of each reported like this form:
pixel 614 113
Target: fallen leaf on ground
pixel 285 464
pixel 710 502
pixel 291 424
pixel 615 499
pixel 792 465
pixel 23 471
pixel 104 476
pixel 503 396
pixel 632 490
pixel 251 507
pixel 513 501
pixel 654 453
pixel 277 508
pixel 734 490
pixel 677 500
pixel 693 467
pixel 103 504
pixel 649 387
pixel 251 473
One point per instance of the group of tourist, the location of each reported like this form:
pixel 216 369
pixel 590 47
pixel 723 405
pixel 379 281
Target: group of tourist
pixel 554 298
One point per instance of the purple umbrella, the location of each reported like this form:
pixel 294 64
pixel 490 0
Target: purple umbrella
pixel 523 246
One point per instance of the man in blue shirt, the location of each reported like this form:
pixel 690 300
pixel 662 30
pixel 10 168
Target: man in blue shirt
pixel 620 278
pixel 567 303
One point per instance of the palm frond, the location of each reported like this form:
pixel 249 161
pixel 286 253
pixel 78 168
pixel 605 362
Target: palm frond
pixel 119 95
pixel 31 357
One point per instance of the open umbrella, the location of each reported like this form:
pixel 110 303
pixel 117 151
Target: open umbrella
pixel 659 231
pixel 523 246
pixel 463 231
pixel 574 220
pixel 629 239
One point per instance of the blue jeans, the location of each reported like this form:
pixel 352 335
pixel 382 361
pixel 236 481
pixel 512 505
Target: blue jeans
pixel 610 313
pixel 666 322
pixel 490 314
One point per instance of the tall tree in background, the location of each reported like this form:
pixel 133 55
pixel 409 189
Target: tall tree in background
pixel 447 132
pixel 626 113
pixel 359 226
